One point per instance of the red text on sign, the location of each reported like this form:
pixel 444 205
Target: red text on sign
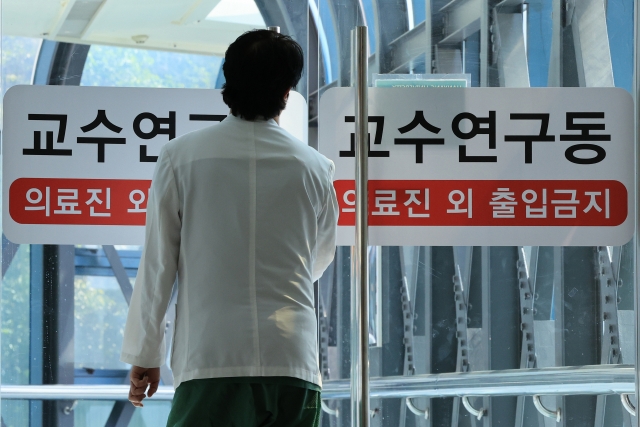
pixel 487 203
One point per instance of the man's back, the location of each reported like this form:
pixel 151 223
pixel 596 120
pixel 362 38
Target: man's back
pixel 254 211
pixel 246 217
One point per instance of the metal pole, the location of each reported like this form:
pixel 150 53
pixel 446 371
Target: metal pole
pixel 274 28
pixel 360 267
pixel 636 89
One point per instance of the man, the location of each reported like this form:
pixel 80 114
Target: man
pixel 245 215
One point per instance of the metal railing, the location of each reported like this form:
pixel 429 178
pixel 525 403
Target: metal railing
pixel 583 380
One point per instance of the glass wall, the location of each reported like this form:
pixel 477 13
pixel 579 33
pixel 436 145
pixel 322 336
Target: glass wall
pixel 472 309
pixel 63 307
pixel 18 60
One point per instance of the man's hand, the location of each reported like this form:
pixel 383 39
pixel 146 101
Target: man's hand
pixel 141 378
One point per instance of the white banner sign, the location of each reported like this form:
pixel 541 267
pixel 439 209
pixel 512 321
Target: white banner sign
pixel 78 161
pixel 487 166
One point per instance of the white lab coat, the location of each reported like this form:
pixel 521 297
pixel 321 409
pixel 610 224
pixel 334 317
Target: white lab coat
pixel 246 216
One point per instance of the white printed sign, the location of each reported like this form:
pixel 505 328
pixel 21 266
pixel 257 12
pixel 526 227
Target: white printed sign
pixel 487 166
pixel 78 161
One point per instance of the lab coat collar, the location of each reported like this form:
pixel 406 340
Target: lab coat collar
pixel 258 119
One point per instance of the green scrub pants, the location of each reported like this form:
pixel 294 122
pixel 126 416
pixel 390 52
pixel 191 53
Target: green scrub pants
pixel 246 402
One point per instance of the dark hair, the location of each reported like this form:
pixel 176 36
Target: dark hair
pixel 259 68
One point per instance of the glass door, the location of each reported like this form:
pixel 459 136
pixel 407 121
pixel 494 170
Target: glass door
pixel 64 306
pixel 509 316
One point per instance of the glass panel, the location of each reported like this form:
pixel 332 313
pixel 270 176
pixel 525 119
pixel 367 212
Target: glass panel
pixel 508 43
pixel 496 44
pixel 18 60
pixel 117 66
pixel 153 414
pixel 15 333
pixel 92 413
pixel 100 313
pixel 63 307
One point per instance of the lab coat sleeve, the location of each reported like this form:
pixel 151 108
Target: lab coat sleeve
pixel 144 343
pixel 327 229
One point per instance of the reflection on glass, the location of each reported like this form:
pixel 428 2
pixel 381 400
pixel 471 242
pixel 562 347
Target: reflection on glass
pixel 151 415
pixel 15 333
pixel 90 413
pixel 100 313
pixel 18 60
pixel 117 66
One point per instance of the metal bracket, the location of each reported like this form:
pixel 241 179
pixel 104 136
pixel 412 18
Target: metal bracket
pixel 494 36
pixel 527 311
pixel 325 408
pixel 504 7
pixel 610 351
pixel 409 368
pixel 511 6
pixel 478 413
pixel 69 409
pixel 527 265
pixel 408 316
pixel 557 414
pixel 626 403
pixel 569 8
pixel 418 412
pixel 461 321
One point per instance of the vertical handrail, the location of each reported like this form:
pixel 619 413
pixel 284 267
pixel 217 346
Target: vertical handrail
pixel 360 266
pixel 636 96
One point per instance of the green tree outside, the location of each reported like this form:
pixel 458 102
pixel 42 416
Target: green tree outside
pixel 125 67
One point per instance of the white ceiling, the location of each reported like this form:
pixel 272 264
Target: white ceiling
pixel 197 26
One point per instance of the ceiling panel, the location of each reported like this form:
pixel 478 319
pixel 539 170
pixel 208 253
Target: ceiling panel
pixel 29 18
pixel 176 25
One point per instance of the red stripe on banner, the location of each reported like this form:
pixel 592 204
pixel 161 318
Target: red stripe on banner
pixel 488 203
pixel 79 201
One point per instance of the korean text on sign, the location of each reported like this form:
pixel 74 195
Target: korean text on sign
pixel 487 203
pixel 583 136
pixel 79 201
